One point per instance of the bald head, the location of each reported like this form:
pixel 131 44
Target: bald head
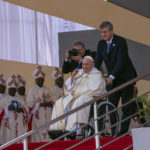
pixel 87 64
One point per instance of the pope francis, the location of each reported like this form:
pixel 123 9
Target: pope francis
pixel 81 87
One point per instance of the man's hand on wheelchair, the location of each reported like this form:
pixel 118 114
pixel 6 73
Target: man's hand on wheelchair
pixel 109 81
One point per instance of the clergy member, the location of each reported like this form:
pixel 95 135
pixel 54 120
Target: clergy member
pixel 40 105
pixel 57 90
pixel 2 94
pixel 84 84
pixel 14 121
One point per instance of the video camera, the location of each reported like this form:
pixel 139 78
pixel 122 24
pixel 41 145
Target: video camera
pixel 73 52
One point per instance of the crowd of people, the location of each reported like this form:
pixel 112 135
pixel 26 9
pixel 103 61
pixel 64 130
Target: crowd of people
pixel 113 51
pixel 21 113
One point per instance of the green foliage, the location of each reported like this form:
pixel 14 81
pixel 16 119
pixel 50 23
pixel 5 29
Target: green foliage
pixel 146 103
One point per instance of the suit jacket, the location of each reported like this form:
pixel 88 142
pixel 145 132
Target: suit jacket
pixel 69 66
pixel 117 61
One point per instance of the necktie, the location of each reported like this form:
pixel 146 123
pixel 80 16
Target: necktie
pixel 79 66
pixel 108 48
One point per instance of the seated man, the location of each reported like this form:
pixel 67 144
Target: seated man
pixel 85 83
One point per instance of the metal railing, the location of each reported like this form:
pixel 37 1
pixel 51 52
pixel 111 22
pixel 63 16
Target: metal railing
pixel 99 133
pixel 26 135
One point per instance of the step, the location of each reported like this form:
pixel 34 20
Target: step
pixel 90 144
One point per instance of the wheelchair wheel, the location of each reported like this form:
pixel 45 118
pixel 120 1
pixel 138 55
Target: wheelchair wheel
pixel 106 122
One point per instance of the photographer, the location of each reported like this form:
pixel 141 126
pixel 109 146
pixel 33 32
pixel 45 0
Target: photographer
pixel 74 57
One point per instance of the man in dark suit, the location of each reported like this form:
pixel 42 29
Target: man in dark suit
pixel 73 62
pixel 113 50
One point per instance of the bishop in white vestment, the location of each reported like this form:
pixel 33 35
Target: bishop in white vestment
pixel 40 106
pixel 14 121
pixel 57 90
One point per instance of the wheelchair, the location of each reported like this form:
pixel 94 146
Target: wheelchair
pixel 104 123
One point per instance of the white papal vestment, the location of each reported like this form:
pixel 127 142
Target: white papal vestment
pixel 85 85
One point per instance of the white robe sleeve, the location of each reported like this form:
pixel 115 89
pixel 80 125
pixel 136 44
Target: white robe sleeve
pixel 30 100
pixel 6 115
pixel 68 84
pixel 36 107
pixel 24 106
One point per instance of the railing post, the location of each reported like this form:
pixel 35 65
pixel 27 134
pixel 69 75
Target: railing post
pixel 25 144
pixel 97 140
